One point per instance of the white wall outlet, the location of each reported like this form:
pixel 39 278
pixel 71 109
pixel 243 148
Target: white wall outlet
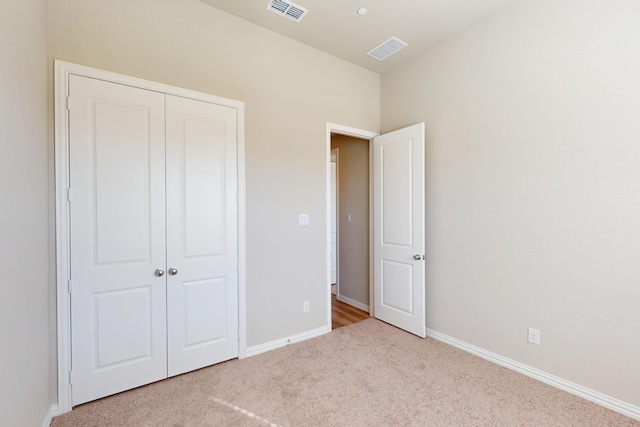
pixel 534 336
pixel 303 219
pixel 306 306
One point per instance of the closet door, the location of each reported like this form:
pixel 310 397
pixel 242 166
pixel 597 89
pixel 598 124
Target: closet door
pixel 202 252
pixel 117 237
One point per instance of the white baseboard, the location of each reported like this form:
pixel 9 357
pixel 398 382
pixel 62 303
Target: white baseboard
pixel 272 345
pixel 575 389
pixel 353 303
pixel 52 412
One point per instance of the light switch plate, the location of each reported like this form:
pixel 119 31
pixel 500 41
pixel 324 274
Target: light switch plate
pixel 303 219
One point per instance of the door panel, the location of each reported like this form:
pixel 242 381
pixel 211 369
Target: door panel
pixel 399 279
pixel 397 292
pixel 202 228
pixel 205 311
pixel 397 192
pixel 202 173
pixel 117 237
pixel 123 310
pixel 122 204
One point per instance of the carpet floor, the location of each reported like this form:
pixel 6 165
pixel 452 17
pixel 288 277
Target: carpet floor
pixel 365 374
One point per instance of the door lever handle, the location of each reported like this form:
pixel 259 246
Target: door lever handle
pixel 418 257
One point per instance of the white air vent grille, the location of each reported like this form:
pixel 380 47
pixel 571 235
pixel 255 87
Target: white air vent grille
pixel 387 48
pixel 287 9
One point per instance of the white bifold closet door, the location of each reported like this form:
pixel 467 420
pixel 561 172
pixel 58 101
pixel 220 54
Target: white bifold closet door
pixel 153 231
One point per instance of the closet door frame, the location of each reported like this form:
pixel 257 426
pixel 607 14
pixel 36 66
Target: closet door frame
pixel 62 72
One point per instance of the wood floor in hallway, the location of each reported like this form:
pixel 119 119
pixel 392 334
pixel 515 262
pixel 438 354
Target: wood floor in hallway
pixel 344 314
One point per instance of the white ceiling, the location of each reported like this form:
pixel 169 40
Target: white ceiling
pixel 334 26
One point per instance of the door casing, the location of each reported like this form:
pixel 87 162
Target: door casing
pixel 61 78
pixel 333 218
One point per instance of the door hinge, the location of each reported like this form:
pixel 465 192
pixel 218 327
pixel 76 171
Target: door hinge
pixel 70 103
pixel 69 195
pixel 70 377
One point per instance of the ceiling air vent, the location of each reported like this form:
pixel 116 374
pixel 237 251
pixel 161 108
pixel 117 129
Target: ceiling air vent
pixel 387 48
pixel 287 9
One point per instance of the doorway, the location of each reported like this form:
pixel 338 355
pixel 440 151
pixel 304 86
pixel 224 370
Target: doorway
pixel 352 220
pixel 349 225
pixel 397 283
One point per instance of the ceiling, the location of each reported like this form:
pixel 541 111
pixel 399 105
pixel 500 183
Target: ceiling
pixel 335 27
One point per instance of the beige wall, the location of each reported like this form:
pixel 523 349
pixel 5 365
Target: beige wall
pixel 353 199
pixel 24 255
pixel 533 185
pixel 290 91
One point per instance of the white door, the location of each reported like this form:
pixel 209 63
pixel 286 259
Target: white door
pixel 399 240
pixel 202 254
pixel 154 256
pixel 117 230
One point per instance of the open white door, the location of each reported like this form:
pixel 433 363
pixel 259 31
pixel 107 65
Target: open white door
pixel 399 240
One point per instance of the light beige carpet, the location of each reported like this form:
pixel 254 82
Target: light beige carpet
pixel 366 374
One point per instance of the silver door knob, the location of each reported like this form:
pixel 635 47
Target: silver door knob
pixel 417 257
pixel 173 271
pixel 159 272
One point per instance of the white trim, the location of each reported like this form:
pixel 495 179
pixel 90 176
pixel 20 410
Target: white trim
pixel 348 131
pixel 61 90
pixel 372 293
pixel 575 389
pixel 61 79
pixel 51 412
pixel 242 237
pixel 336 152
pixel 353 303
pixel 357 133
pixel 282 342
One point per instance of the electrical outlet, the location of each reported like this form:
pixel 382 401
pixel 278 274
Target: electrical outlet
pixel 534 336
pixel 306 306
